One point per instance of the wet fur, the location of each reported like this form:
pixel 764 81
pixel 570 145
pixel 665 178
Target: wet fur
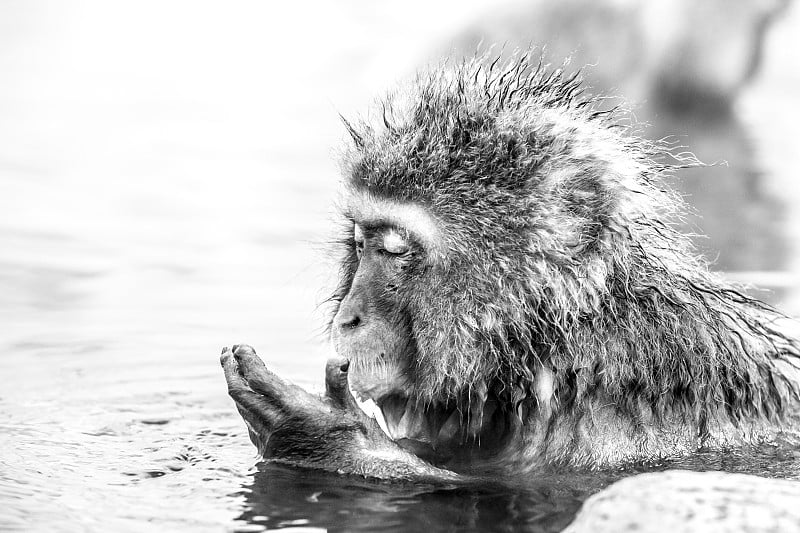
pixel 556 251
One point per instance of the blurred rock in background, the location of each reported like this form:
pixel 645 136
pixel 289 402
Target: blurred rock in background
pixel 680 65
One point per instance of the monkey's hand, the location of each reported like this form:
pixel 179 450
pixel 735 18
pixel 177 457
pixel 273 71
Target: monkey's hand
pixel 289 425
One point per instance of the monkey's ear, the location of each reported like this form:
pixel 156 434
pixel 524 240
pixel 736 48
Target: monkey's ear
pixel 357 138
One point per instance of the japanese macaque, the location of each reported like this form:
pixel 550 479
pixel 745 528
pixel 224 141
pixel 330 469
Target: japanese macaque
pixel 514 297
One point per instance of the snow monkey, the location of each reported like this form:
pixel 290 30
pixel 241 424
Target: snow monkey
pixel 513 296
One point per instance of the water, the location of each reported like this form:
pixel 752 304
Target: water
pixel 279 497
pixel 164 193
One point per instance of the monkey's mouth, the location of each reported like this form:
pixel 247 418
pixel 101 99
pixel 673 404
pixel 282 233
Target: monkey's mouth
pixel 441 431
pixel 442 428
pixel 434 430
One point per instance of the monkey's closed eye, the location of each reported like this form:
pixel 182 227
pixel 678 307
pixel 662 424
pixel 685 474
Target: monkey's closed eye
pixel 394 244
pixel 394 254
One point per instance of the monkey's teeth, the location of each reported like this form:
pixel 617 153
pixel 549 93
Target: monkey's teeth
pixel 382 422
pixel 399 419
pixel 372 410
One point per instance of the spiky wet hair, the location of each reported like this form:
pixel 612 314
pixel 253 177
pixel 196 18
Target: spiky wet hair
pixel 554 248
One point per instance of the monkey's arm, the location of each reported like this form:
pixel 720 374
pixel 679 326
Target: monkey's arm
pixel 291 426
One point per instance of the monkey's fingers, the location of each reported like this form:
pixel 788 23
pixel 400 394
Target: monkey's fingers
pixel 261 416
pixel 260 412
pixel 285 395
pixel 336 381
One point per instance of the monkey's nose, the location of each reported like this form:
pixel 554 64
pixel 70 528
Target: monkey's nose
pixel 351 313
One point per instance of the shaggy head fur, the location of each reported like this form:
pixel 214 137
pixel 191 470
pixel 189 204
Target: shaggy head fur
pixel 549 246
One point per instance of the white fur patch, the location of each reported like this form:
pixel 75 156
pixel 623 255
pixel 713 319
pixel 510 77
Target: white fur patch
pixel 368 209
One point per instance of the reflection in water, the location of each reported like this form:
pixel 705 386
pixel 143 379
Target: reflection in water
pixel 282 497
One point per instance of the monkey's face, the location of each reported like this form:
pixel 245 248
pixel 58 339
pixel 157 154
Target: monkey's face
pixel 374 328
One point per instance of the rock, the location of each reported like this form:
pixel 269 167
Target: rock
pixel 676 501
